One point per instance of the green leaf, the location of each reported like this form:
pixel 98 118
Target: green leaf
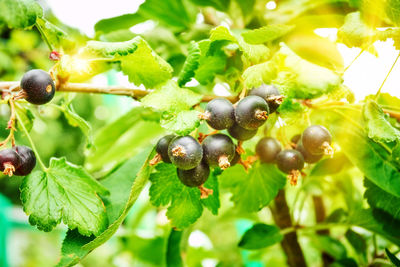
pixel 221 5
pixel 171 98
pixel 254 53
pixel 111 49
pixel 77 121
pixel 64 193
pixel 330 246
pixel 358 242
pixel 191 64
pixel 260 236
pixel 393 259
pixel 182 123
pixel 254 190
pixel 377 125
pixel 56 37
pixel 364 218
pixel 212 201
pixel 125 21
pixel 138 60
pixel 392 9
pixel 125 184
pixel 302 79
pixel 19 13
pixel 331 166
pixel 316 49
pixel 26 116
pixel 178 15
pixel 145 67
pixel 258 74
pixel 174 258
pixel 267 33
pixel 355 32
pixel 185 205
pixel 212 61
pixel 380 199
pixel 123 138
pixel 221 33
pixel 369 157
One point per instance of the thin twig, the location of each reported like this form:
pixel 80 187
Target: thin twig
pixel 112 90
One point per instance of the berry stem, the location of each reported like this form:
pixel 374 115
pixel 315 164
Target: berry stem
pixel 44 168
pixel 111 90
pixel 387 76
pixel 351 63
pixel 10 125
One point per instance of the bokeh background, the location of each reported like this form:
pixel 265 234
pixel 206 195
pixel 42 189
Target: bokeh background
pixel 22 245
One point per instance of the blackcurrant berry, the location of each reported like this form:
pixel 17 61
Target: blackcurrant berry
pixel 185 152
pixel 241 133
pixel 308 157
pixel 38 86
pixel 271 94
pixel 290 160
pixel 235 159
pixel 251 112
pixel 162 147
pixel 316 139
pixel 9 161
pixel 196 176
pixel 267 149
pixel 28 160
pixel 219 150
pixel 296 138
pixel 219 114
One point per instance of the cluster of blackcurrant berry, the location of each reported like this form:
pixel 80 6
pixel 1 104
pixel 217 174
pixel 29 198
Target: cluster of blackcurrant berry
pixel 193 158
pixel 19 160
pixel 37 87
pixel 309 147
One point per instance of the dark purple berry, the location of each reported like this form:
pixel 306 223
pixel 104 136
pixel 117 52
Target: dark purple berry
pixel 162 147
pixel 185 152
pixel 235 159
pixel 316 139
pixel 270 94
pixel 219 150
pixel 251 112
pixel 38 86
pixel 241 133
pixel 267 149
pixel 220 114
pixel 196 176
pixel 28 160
pixel 9 161
pixel 296 138
pixel 290 160
pixel 308 157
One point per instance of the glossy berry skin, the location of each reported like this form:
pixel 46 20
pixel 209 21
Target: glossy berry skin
pixel 240 133
pixel 289 160
pixel 296 138
pixel 196 176
pixel 38 86
pixel 28 160
pixel 235 159
pixel 267 149
pixel 315 139
pixel 185 152
pixel 266 92
pixel 308 157
pixel 9 156
pixel 219 150
pixel 251 112
pixel 220 114
pixel 162 147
